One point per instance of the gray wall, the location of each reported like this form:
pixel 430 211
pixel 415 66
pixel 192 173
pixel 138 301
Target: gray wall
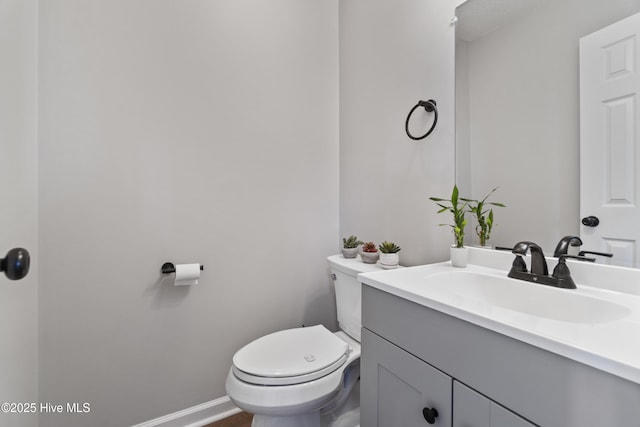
pixel 208 132
pixel 18 209
pixel 523 110
pixel 393 53
pixel 189 131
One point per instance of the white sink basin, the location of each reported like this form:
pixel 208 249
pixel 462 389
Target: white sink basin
pixel 597 324
pixel 525 297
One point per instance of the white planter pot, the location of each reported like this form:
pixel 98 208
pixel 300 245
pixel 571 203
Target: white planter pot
pixel 459 256
pixel 349 252
pixel 389 260
pixel 369 257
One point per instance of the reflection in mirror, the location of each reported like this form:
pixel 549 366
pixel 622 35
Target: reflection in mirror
pixel 517 110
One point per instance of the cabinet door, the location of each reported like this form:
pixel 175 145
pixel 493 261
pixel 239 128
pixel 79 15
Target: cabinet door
pixel 396 387
pixel 471 409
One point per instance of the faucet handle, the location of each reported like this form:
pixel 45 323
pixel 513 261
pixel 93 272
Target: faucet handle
pixel 518 264
pixel 562 274
pixel 579 257
pixel 583 253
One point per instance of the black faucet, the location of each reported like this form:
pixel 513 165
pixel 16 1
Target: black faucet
pixel 561 277
pixel 564 243
pixel 563 247
pixel 538 263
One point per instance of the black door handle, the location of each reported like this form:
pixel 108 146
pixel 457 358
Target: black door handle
pixel 16 263
pixel 430 415
pixel 590 221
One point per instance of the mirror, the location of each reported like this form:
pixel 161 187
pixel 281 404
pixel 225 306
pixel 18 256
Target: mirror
pixel 517 110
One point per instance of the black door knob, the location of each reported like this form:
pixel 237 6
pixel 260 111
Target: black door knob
pixel 590 221
pixel 16 264
pixel 430 415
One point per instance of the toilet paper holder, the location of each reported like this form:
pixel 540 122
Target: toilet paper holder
pixel 169 267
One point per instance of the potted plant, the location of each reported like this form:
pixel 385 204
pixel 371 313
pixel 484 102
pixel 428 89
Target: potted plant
pixel 350 246
pixel 484 216
pixel 369 253
pixel 458 207
pixel 389 257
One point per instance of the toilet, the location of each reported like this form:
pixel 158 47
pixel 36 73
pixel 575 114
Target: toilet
pixel 309 376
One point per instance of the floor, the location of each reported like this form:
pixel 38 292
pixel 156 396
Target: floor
pixel 239 420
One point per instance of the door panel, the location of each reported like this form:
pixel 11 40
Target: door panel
pixel 396 387
pixel 609 140
pixel 471 409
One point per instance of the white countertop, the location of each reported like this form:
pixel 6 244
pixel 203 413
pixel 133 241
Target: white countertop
pixel 607 342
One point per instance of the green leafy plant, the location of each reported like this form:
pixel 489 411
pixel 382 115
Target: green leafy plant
pixel 388 247
pixel 369 247
pixel 483 215
pixel 350 242
pixel 457 206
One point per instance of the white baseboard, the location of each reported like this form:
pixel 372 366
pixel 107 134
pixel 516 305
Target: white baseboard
pixel 196 416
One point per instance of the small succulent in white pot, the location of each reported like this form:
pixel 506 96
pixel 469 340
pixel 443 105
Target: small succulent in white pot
pixel 389 257
pixel 350 246
pixel 369 253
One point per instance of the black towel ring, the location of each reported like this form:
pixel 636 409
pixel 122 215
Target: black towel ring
pixel 429 106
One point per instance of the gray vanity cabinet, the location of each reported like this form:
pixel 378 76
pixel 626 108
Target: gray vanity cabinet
pixel 471 409
pixel 400 388
pixel 415 357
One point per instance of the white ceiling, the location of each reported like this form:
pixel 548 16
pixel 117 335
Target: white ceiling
pixel 477 18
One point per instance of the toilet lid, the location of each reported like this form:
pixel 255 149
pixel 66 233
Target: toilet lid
pixel 291 356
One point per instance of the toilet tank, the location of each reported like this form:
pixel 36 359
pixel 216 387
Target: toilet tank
pixel 348 291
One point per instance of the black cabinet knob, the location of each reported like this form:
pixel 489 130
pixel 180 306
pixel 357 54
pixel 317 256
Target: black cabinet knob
pixel 590 221
pixel 430 415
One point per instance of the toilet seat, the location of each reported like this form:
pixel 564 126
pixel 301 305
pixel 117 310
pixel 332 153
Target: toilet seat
pixel 286 400
pixel 289 357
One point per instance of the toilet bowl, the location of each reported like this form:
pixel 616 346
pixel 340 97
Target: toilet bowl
pixel 291 394
pixel 306 377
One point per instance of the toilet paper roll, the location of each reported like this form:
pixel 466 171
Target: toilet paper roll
pixel 187 274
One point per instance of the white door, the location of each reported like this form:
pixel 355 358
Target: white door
pixel 18 211
pixel 610 141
